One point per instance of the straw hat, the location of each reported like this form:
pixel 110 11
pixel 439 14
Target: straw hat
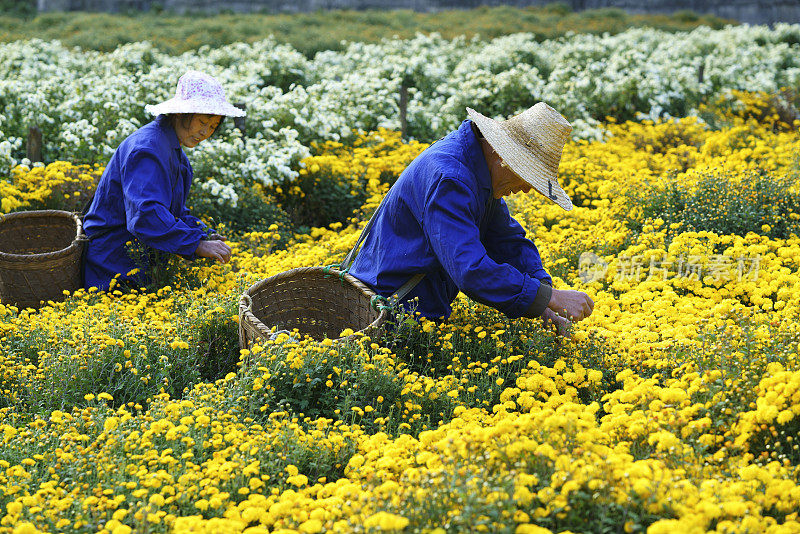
pixel 197 92
pixel 531 144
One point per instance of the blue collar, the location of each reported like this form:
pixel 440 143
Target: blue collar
pixel 169 131
pixel 474 155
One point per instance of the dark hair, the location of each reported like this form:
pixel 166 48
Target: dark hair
pixel 186 119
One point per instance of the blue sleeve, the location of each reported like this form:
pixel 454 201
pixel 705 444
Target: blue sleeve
pixel 506 243
pixel 193 222
pixel 185 215
pixel 451 210
pixel 147 190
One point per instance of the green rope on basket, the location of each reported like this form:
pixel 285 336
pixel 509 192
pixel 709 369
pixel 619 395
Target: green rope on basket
pixel 379 303
pixel 327 270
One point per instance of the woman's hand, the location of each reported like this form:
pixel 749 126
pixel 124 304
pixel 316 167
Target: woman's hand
pixel 562 325
pixel 574 305
pixel 215 249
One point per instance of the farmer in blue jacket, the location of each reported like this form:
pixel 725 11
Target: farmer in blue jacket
pixel 142 193
pixel 445 218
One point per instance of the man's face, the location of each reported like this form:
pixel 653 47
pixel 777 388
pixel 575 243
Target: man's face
pixel 504 180
pixel 200 128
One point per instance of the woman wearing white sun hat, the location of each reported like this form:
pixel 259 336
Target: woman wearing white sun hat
pixel 445 219
pixel 142 193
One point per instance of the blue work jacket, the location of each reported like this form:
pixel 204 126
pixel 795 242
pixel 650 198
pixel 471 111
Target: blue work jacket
pixel 141 195
pixel 440 219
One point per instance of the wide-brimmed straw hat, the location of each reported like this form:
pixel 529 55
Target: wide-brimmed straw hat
pixel 531 144
pixel 197 92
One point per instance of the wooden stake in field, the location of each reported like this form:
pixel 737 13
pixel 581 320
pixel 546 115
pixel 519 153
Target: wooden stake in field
pixel 34 146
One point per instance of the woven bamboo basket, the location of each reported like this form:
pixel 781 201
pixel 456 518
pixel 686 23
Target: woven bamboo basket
pixel 317 301
pixel 40 256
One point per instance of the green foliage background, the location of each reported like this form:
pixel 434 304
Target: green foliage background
pixel 321 30
pixel 723 204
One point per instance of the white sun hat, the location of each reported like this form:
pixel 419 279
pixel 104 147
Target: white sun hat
pixel 197 92
pixel 531 144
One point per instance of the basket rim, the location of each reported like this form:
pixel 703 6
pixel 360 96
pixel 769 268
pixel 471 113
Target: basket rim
pixel 44 256
pixel 245 313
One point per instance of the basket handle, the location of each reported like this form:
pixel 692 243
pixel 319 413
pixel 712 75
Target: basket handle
pixel 248 300
pixel 406 288
pixel 351 256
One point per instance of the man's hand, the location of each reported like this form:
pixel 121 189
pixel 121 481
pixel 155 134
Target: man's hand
pixel 574 305
pixel 215 249
pixel 216 237
pixel 561 324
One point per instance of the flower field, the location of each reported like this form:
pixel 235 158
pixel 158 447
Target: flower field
pixel 86 102
pixel 675 407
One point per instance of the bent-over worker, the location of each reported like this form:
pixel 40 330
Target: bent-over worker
pixel 445 217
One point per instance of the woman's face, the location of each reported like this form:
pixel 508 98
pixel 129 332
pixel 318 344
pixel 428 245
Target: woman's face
pixel 198 129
